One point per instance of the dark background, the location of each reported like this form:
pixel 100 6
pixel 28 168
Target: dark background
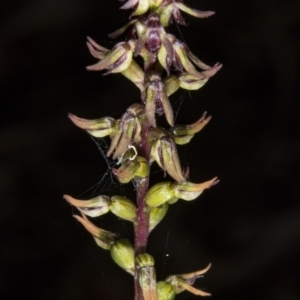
pixel 248 226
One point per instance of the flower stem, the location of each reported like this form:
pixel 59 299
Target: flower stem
pixel 141 229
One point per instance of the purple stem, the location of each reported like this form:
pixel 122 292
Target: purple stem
pixel 141 229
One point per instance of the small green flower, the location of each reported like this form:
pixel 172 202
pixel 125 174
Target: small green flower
pixel 170 192
pixel 182 134
pixel 184 282
pixel 94 207
pixel 98 128
pixel 117 60
pixel 133 72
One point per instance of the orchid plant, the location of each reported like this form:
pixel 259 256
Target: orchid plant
pixel 137 140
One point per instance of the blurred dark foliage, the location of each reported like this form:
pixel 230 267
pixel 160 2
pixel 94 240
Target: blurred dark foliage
pixel 248 226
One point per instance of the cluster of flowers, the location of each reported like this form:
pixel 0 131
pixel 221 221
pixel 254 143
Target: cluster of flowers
pixel 136 139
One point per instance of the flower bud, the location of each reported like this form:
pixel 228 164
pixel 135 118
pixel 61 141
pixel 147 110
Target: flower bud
pixel 94 207
pixel 98 128
pixel 156 215
pixel 144 169
pixel 184 282
pixel 123 208
pixel 190 191
pixel 164 152
pixel 122 253
pixel 103 238
pixel 159 194
pixel 182 134
pixel 165 291
pixel 147 276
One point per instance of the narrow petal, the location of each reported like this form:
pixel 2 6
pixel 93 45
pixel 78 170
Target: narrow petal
pixel 190 191
pixel 167 109
pixel 212 71
pixel 95 207
pixel 97 46
pixel 97 128
pixel 197 61
pixel 194 12
pixel 143 6
pixel 129 4
pixel 121 30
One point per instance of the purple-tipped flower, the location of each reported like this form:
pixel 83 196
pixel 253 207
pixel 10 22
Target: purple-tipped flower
pixel 115 61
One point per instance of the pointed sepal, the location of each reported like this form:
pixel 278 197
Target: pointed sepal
pixel 156 215
pixel 98 128
pixel 103 238
pixel 94 207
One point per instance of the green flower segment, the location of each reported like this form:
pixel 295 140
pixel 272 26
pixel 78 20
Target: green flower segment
pixel 137 140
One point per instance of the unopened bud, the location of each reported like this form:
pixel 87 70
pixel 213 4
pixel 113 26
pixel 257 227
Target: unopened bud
pixel 147 276
pixel 160 193
pixel 144 169
pixel 156 215
pixel 165 291
pixel 122 253
pixel 123 208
